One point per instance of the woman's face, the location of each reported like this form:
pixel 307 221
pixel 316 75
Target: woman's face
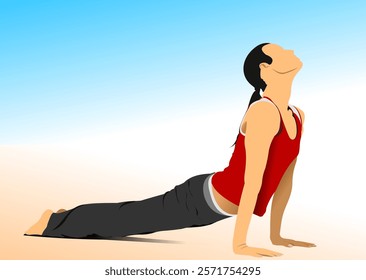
pixel 283 61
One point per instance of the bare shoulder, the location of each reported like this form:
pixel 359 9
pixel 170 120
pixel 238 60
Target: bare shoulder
pixel 263 110
pixel 263 116
pixel 302 114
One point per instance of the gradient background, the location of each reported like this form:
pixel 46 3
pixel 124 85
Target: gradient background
pixel 114 100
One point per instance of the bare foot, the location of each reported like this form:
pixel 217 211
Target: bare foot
pixel 39 227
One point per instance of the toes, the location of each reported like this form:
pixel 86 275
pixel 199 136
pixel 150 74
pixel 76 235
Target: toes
pixel 40 226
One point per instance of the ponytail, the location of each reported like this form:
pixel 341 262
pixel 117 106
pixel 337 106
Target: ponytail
pixel 255 96
pixel 252 72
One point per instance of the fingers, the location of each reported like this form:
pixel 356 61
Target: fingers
pixel 260 255
pixel 291 243
pixel 274 254
pixel 255 252
pixel 303 244
pixel 268 253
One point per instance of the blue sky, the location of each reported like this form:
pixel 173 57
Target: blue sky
pixel 69 68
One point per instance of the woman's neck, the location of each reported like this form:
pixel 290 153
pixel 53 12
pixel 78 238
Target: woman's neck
pixel 280 94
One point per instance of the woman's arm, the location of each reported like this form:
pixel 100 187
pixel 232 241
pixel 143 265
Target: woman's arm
pixel 279 202
pixel 260 126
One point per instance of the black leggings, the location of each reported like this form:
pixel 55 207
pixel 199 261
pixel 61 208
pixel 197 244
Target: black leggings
pixel 184 206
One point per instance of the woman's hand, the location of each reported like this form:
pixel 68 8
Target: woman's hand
pixel 254 252
pixel 290 242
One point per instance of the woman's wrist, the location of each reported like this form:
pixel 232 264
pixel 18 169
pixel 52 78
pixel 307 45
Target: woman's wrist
pixel 275 237
pixel 240 245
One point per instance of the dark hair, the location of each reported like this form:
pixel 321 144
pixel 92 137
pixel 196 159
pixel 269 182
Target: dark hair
pixel 252 71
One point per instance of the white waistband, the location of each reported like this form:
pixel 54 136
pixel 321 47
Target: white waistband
pixel 211 201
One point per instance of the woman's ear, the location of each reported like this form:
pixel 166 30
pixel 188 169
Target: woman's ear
pixel 263 65
pixel 263 71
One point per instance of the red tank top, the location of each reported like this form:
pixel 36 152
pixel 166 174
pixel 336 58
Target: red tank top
pixel 283 150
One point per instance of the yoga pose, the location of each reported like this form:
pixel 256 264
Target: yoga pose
pixel 261 166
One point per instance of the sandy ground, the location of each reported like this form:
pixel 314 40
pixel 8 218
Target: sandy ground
pixel 34 179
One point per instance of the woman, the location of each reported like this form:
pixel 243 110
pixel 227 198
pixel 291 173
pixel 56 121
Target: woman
pixel 261 166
